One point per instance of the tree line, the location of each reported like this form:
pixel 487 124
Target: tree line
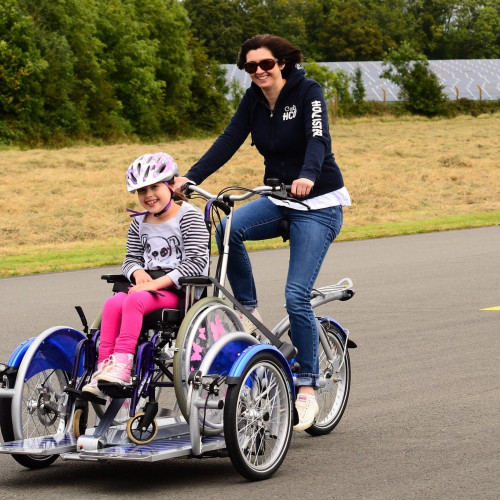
pixel 104 69
pixel 91 69
pixel 352 30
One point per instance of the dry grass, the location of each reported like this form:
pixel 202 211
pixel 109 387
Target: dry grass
pixel 395 171
pixel 420 169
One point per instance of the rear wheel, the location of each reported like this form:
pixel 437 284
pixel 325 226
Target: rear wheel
pixel 207 321
pixel 258 418
pixel 335 381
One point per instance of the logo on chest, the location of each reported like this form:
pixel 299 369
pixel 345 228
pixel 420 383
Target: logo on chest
pixel 290 112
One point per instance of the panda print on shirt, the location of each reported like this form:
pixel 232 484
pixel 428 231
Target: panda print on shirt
pixel 160 252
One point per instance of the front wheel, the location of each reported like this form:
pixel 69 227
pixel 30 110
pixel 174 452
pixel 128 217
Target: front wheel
pixel 139 434
pixel 42 395
pixel 258 418
pixel 335 381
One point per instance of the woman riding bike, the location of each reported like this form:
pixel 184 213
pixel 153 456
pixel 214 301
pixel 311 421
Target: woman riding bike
pixel 286 115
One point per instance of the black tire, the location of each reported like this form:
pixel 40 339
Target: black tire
pixel 258 418
pixel 138 435
pixel 333 395
pixel 36 421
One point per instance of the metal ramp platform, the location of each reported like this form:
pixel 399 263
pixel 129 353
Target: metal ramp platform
pixel 159 449
pixel 172 441
pixel 44 445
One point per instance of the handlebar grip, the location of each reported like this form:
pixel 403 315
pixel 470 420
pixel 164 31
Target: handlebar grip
pixel 185 188
pixel 273 182
pixel 276 183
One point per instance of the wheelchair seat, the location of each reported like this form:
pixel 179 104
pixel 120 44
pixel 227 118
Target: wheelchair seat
pixel 160 317
pixel 172 317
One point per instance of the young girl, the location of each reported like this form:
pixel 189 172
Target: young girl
pixel 170 236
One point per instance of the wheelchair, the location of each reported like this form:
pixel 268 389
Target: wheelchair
pixel 201 386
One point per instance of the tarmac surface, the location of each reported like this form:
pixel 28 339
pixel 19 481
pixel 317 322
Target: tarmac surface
pixel 423 413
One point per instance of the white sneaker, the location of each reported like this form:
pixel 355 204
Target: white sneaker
pixel 248 326
pixel 307 408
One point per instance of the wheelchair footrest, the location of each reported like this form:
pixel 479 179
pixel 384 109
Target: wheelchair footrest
pixel 116 391
pixel 41 446
pixel 85 396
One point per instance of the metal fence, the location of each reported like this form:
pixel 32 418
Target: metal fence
pixel 473 79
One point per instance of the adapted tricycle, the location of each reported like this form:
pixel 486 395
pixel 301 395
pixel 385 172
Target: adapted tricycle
pixel 202 387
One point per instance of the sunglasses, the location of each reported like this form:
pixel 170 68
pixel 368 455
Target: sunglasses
pixel 264 65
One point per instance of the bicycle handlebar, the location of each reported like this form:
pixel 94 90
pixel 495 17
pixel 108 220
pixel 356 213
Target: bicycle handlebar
pixel 280 191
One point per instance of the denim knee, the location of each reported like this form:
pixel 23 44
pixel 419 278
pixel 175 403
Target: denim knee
pixel 296 301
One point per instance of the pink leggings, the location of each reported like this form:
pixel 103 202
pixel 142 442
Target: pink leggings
pixel 122 319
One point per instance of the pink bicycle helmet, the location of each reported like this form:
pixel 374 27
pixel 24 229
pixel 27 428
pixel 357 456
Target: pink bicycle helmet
pixel 149 169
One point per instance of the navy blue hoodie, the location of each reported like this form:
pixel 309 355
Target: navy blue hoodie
pixel 294 138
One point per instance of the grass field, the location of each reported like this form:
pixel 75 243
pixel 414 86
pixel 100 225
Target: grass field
pixel 65 209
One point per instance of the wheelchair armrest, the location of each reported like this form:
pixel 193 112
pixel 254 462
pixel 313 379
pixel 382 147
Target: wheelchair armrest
pixel 195 280
pixel 115 278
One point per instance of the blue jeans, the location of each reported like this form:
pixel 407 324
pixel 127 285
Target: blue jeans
pixel 311 233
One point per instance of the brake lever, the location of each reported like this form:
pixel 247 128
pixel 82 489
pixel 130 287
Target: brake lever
pixel 284 196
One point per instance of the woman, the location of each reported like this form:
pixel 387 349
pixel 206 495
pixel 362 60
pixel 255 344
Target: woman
pixel 286 115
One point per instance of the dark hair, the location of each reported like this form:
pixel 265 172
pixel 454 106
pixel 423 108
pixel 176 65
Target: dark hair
pixel 284 51
pixel 176 195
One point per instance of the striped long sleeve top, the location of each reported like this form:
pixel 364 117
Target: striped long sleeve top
pixel 178 246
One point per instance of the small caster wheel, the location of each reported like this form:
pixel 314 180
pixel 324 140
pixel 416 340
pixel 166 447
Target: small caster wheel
pixel 79 423
pixel 137 434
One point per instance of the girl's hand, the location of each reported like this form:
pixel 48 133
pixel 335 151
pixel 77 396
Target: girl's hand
pixel 141 276
pixel 301 187
pixel 153 285
pixel 144 287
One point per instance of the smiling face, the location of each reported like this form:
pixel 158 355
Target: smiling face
pixel 154 198
pixel 269 81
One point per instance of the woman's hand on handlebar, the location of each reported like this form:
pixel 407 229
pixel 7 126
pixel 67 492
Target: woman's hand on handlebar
pixel 179 182
pixel 301 187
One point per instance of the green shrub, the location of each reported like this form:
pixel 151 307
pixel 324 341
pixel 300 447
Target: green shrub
pixel 469 107
pixel 334 83
pixel 86 70
pixel 419 87
pixel 358 91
